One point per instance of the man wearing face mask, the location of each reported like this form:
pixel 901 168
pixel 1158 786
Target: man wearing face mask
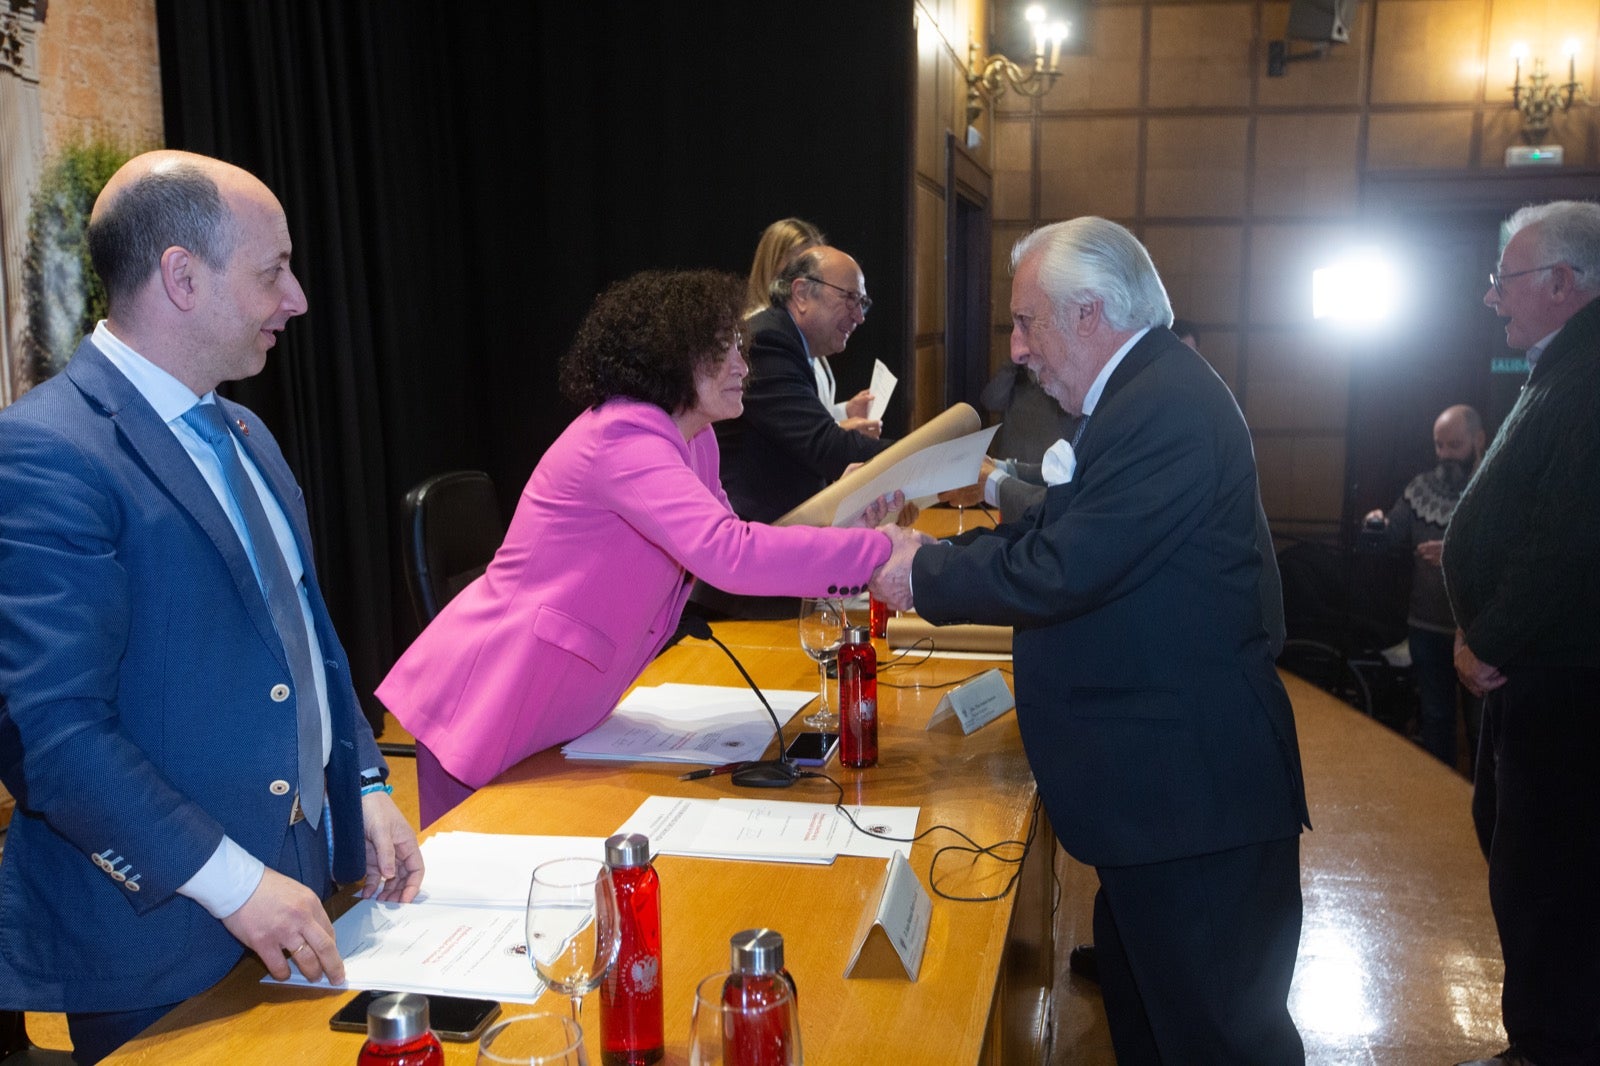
pixel 1418 520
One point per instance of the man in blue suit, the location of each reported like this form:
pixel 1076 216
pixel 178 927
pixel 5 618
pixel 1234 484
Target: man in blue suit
pixel 1159 733
pixel 174 702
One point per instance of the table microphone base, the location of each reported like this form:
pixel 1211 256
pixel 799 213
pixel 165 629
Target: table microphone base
pixel 767 775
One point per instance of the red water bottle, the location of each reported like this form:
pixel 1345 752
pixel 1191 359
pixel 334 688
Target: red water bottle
pixel 858 699
pixel 758 981
pixel 878 611
pixel 630 995
pixel 398 1033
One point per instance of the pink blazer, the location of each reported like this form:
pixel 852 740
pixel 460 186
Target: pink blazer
pixel 590 583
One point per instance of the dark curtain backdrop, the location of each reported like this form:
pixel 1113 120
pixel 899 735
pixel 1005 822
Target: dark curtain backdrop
pixel 461 180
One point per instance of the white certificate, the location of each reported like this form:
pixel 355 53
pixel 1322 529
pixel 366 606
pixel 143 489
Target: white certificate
pixel 924 474
pixel 438 948
pixel 882 388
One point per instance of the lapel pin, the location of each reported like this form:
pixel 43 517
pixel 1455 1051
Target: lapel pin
pixel 242 427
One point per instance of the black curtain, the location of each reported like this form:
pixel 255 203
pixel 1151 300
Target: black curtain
pixel 461 180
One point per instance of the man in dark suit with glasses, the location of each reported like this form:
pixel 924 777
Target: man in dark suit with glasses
pixel 786 446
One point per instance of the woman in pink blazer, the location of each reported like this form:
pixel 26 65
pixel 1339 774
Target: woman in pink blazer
pixel 623 510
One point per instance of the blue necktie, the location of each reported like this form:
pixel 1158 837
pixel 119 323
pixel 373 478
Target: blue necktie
pixel 283 599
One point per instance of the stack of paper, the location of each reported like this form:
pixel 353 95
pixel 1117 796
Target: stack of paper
pixel 688 723
pixel 464 935
pixel 451 949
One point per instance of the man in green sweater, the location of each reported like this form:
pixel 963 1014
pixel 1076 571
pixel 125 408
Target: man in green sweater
pixel 1522 566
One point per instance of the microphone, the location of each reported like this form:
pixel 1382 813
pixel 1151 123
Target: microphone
pixel 768 773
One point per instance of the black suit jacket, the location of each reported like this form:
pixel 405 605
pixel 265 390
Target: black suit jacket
pixel 1027 488
pixel 1155 723
pixel 786 447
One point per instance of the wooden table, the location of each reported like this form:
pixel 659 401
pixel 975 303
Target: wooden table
pixel 983 993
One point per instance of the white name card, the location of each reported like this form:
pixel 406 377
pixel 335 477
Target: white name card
pixel 976 703
pixel 893 942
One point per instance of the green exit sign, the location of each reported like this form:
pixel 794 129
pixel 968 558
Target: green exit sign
pixel 1508 365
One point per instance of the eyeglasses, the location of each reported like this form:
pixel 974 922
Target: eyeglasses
pixel 856 300
pixel 1498 280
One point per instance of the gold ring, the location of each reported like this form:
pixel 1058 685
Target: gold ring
pixel 302 947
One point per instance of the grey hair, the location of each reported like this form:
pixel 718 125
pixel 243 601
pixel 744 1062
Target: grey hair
pixel 176 204
pixel 801 267
pixel 1090 258
pixel 1569 232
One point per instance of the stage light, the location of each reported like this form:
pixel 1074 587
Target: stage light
pixel 1360 289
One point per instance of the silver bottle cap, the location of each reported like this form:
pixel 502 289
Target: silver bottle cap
pixel 757 951
pixel 397 1018
pixel 857 635
pixel 628 849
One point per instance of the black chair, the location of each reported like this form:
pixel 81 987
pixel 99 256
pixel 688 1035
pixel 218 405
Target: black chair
pixel 17 1050
pixel 452 531
pixel 1340 613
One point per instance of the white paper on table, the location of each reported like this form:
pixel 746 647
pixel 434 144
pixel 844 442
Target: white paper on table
pixel 437 948
pixel 881 387
pixel 882 822
pixel 493 868
pixel 692 827
pixel 923 475
pixel 675 722
pixel 772 827
pixel 767 830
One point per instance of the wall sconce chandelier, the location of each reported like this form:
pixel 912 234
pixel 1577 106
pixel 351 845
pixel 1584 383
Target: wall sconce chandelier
pixel 988 77
pixel 1537 100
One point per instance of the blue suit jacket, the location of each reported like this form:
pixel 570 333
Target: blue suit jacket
pixel 137 723
pixel 1155 723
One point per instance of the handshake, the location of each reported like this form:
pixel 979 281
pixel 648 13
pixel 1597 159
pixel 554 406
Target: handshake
pixel 891 581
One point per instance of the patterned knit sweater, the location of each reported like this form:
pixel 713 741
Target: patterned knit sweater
pixel 1522 554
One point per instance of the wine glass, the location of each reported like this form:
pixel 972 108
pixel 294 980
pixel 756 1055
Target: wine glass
pixel 572 928
pixel 750 1028
pixel 533 1040
pixel 821 633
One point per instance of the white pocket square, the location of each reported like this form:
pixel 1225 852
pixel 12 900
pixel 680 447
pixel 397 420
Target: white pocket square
pixel 1059 463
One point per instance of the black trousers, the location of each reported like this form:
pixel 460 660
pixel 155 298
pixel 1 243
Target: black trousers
pixel 1536 806
pixel 97 1034
pixel 1196 956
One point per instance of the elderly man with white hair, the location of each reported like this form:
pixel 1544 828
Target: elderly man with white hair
pixel 1161 738
pixel 1520 566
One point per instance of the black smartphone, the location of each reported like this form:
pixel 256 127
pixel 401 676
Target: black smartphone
pixel 452 1017
pixel 812 749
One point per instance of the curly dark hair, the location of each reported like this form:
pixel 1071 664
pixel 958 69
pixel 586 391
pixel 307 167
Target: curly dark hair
pixel 645 338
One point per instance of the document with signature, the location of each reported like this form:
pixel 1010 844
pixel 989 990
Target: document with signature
pixel 440 948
